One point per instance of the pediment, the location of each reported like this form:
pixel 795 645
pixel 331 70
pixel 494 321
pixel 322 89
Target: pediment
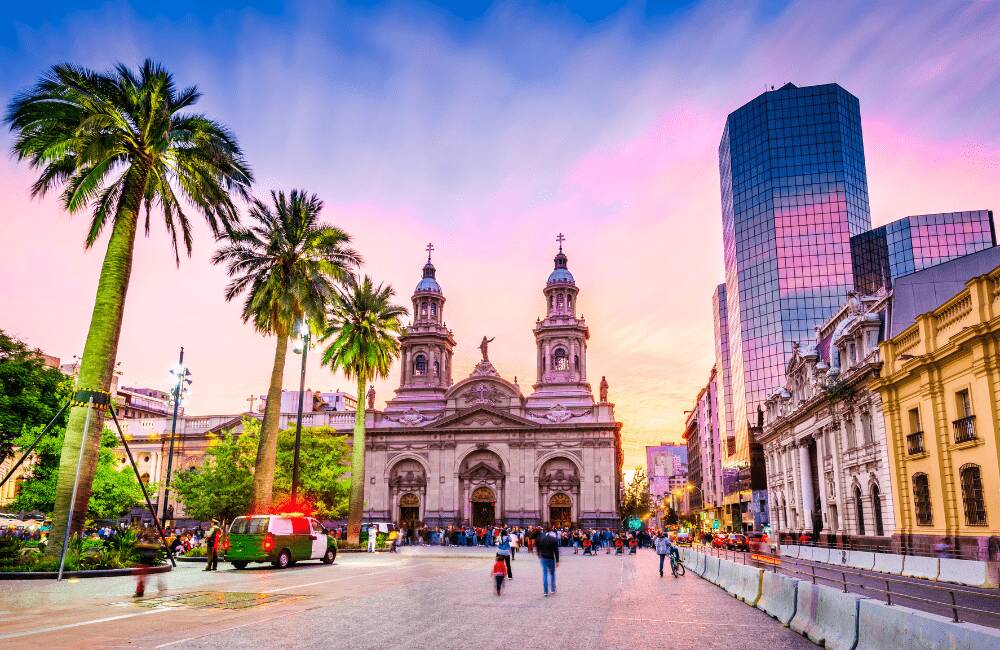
pixel 483 417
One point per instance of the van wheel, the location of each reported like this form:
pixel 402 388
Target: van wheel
pixel 240 564
pixel 284 560
pixel 329 556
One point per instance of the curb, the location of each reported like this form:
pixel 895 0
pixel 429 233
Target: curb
pixel 91 573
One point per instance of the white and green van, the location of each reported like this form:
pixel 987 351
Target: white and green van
pixel 281 540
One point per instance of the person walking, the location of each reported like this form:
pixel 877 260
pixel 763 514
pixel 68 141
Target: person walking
pixel 504 551
pixel 212 542
pixel 498 572
pixel 663 548
pixel 548 554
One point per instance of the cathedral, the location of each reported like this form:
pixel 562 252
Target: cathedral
pixel 478 450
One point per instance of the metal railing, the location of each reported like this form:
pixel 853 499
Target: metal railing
pixel 958 602
pixel 915 443
pixel 965 429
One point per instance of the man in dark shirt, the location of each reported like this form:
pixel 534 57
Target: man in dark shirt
pixel 548 555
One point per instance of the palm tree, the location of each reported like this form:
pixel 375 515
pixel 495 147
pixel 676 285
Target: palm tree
pixel 116 142
pixel 287 263
pixel 364 325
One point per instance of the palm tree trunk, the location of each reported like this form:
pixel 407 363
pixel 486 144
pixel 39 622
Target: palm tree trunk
pixel 356 503
pixel 267 446
pixel 96 368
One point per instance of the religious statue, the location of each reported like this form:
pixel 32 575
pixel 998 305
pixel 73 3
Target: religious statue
pixel 371 397
pixel 318 402
pixel 484 346
pixel 604 389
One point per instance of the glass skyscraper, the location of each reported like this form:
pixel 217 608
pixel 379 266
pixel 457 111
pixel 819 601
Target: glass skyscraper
pixel 794 192
pixel 915 243
pixel 724 390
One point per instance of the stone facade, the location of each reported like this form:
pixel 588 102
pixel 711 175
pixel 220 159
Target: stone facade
pixel 480 450
pixel 824 438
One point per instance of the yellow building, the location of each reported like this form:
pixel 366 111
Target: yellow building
pixel 940 387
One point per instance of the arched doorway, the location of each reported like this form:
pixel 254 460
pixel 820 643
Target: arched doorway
pixel 484 507
pixel 409 509
pixel 560 510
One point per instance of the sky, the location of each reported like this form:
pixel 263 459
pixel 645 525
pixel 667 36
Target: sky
pixel 487 129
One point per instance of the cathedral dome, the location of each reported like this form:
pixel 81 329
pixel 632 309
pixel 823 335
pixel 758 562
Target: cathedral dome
pixel 560 274
pixel 428 282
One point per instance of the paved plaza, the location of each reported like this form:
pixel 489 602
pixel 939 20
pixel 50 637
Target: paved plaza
pixel 424 598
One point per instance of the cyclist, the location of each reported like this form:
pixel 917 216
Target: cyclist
pixel 665 548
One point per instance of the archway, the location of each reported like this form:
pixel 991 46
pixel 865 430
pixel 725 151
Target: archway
pixel 560 510
pixel 484 507
pixel 409 509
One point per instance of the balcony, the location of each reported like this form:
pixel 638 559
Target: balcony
pixel 915 443
pixel 965 429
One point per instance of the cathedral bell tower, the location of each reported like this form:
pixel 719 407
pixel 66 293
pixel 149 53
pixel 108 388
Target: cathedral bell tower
pixel 427 343
pixel 561 338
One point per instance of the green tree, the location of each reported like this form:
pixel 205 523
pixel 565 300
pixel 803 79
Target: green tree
pixel 636 501
pixel 363 330
pixel 116 489
pixel 222 486
pixel 287 263
pixel 116 142
pixel 31 393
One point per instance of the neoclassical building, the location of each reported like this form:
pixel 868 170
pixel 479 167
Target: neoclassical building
pixel 824 438
pixel 480 450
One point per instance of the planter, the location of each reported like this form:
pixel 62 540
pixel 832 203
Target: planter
pixel 90 573
pixel 181 558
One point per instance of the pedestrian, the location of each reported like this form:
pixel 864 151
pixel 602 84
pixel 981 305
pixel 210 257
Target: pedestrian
pixel 548 555
pixel 663 548
pixel 391 539
pixel 500 569
pixel 147 548
pixel 212 542
pixel 372 537
pixel 515 543
pixel 503 551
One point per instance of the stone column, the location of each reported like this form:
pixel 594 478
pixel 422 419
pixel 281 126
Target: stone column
pixel 805 477
pixel 838 478
pixel 821 468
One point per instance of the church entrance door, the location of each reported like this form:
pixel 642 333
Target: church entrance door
pixel 560 510
pixel 409 509
pixel 484 503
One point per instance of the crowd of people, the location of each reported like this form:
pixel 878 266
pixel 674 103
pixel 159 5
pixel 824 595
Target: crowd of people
pixel 588 541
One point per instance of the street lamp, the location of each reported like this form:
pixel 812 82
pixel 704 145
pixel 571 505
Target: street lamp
pixel 182 379
pixel 301 347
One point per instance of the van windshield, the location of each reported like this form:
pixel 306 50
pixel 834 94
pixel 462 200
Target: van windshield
pixel 249 526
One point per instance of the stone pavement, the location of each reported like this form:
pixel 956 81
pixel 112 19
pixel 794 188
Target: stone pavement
pixel 602 602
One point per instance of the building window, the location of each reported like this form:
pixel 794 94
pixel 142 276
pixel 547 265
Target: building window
pixel 569 303
pixel 877 510
pixel 964 403
pixel 559 301
pixel 434 309
pixel 965 425
pixel 922 499
pixel 852 441
pixel 437 369
pixel 420 365
pixel 859 507
pixel 576 361
pixel 560 359
pixel 866 428
pixel 972 495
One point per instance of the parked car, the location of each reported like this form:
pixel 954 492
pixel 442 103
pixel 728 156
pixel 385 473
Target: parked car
pixel 737 542
pixel 756 540
pixel 281 540
pixel 719 541
pixel 683 539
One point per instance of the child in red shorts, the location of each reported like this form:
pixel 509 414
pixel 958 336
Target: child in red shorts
pixel 499 572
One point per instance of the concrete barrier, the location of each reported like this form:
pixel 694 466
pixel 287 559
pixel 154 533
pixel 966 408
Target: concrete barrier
pixel 915 566
pixel 745 584
pixel 888 563
pixel 790 550
pixel 965 572
pixel 697 562
pixel 826 616
pixel 821 554
pixel 861 559
pixel 727 575
pixel 711 572
pixel 805 552
pixel 883 626
pixel 777 596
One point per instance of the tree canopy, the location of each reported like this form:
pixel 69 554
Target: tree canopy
pixel 31 393
pixel 636 501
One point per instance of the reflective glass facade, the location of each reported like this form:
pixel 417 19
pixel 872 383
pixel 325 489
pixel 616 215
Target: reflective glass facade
pixel 915 243
pixel 724 390
pixel 794 192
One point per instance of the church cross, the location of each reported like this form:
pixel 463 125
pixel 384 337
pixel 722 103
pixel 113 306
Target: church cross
pixel 429 249
pixel 560 238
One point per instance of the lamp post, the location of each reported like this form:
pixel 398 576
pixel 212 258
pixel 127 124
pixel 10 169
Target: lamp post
pixel 301 345
pixel 182 378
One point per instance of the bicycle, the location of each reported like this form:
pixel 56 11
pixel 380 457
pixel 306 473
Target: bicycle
pixel 676 566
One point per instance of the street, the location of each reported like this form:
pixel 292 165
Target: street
pixel 423 598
